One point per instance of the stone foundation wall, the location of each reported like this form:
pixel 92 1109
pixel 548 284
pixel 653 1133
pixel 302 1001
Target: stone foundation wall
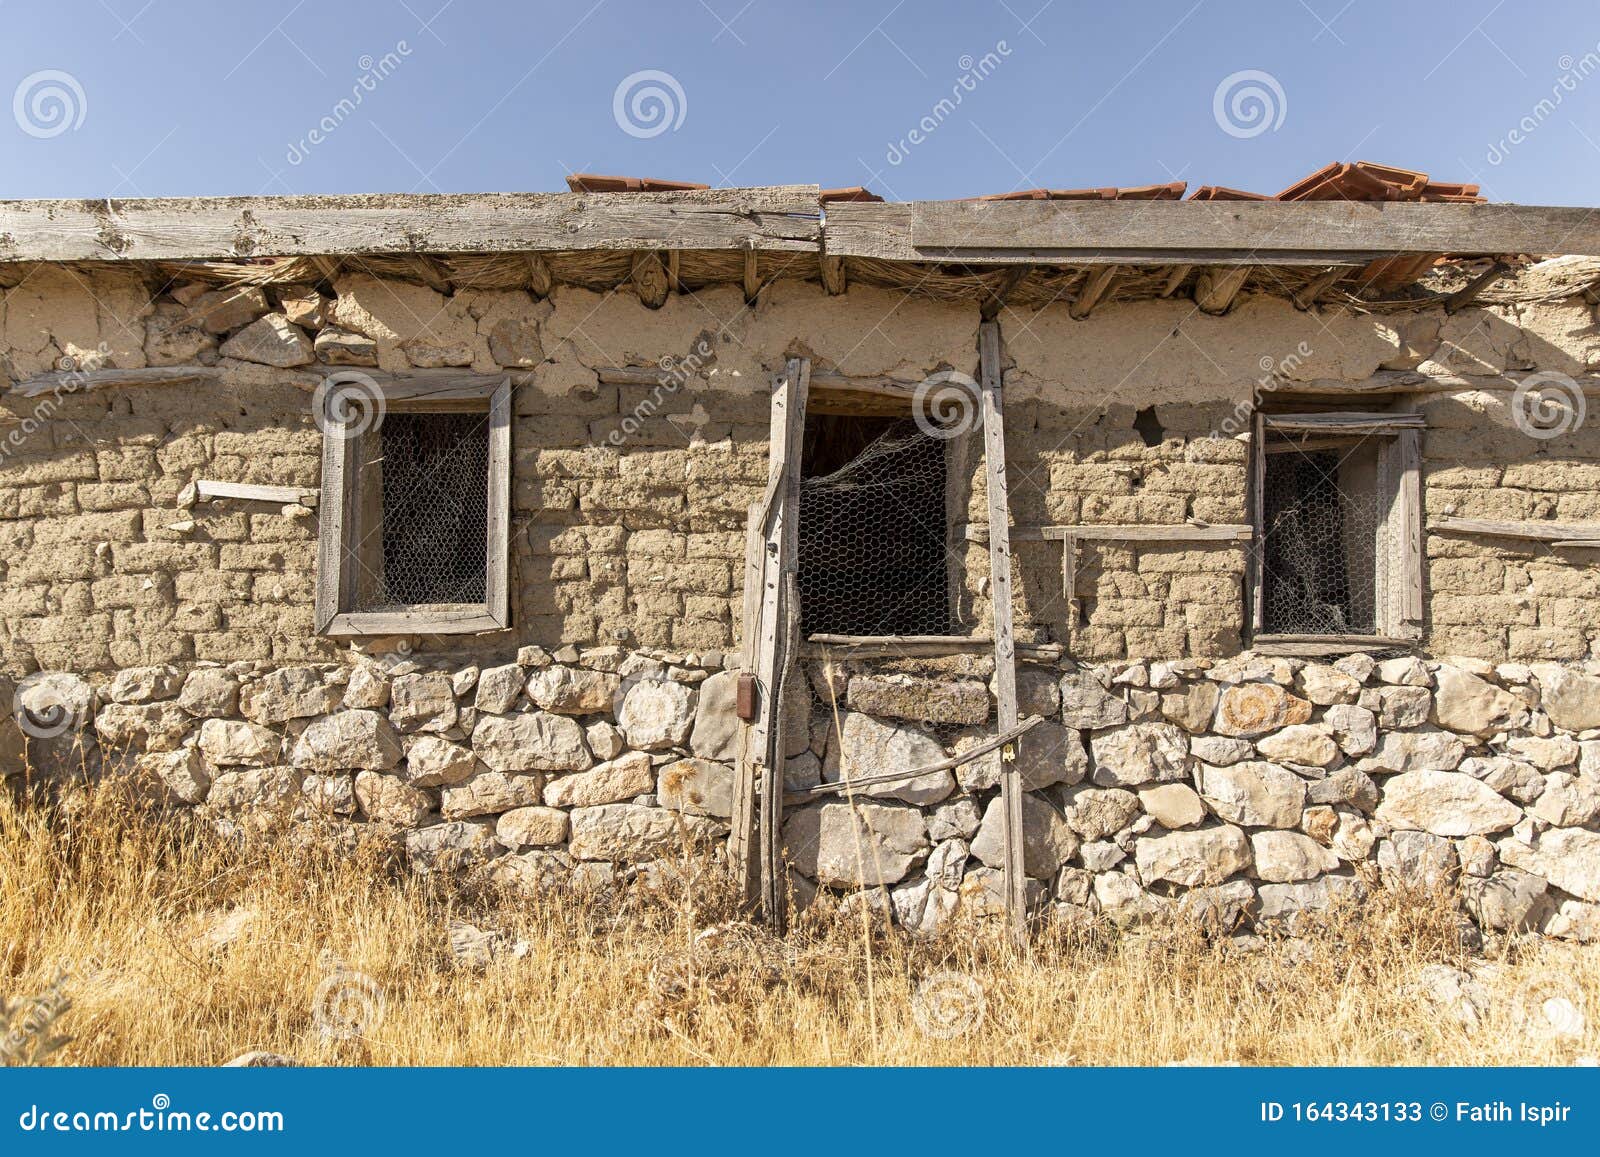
pixel 1244 790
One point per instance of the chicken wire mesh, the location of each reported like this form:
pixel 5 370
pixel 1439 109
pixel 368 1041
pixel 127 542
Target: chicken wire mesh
pixel 1321 516
pixel 872 544
pixel 429 544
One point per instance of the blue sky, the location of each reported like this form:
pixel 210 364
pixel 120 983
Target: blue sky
pixel 168 97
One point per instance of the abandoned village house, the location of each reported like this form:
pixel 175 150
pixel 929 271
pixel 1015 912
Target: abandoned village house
pixel 1092 553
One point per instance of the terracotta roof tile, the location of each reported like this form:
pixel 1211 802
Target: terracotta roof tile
pixel 1169 192
pixel 596 183
pixel 1223 193
pixel 849 193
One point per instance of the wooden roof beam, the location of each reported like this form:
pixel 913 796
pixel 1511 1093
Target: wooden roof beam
pixel 650 280
pixel 832 268
pixel 1215 289
pixel 1002 291
pixel 1096 287
pixel 1306 296
pixel 1469 292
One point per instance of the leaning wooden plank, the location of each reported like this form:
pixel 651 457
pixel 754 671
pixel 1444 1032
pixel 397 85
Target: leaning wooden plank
pixel 1260 226
pixel 1343 422
pixel 442 621
pixel 498 539
pixel 783 218
pixel 76 381
pixel 1005 656
pixel 741 840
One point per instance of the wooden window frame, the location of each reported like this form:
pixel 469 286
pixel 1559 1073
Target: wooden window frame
pixel 340 510
pixel 1399 610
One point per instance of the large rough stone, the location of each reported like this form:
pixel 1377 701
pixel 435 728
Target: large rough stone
pixel 925 907
pixel 424 701
pixel 573 690
pixel 1099 813
pixel 1544 752
pixel 625 832
pixel 1173 805
pixel 1407 671
pixel 144 684
pixel 1446 803
pixel 451 847
pixel 1250 709
pixel 348 739
pixel 532 827
pixel 432 761
pixel 1325 686
pixel 267 794
pixel 537 741
pixel 954 818
pixel 221 310
pixel 386 799
pixel 1193 859
pixel 1308 744
pixel 1429 750
pixel 1567 801
pixel 927 700
pixel 1047 841
pixel 1417 859
pixel 826 843
pixel 1282 857
pixel 1570 697
pixel 1286 901
pixel 1048 754
pixel 234 743
pixel 368 686
pixel 491 792
pixel 701 787
pixel 1463 702
pixel 1038 692
pixel 271 341
pixel 146 726
pixel 287 693
pixel 1347 785
pixel 183 772
pixel 1568 857
pixel 1225 907
pixel 209 693
pixel 1194 707
pixel 716 721
pixel 622 779
pixel 499 688
pixel 1355 729
pixel 1574 920
pixel 1510 777
pixel 1254 793
pixel 1398 707
pixel 656 715
pixel 867 747
pixel 1510 900
pixel 1086 704
pixel 1220 750
pixel 1140 753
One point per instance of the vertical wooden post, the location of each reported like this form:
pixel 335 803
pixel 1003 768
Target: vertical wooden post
pixel 1005 654
pixel 778 617
pixel 1256 575
pixel 742 839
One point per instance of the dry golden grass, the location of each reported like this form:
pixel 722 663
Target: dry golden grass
pixel 635 979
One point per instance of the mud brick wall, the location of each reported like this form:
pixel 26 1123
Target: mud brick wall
pixel 630 502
